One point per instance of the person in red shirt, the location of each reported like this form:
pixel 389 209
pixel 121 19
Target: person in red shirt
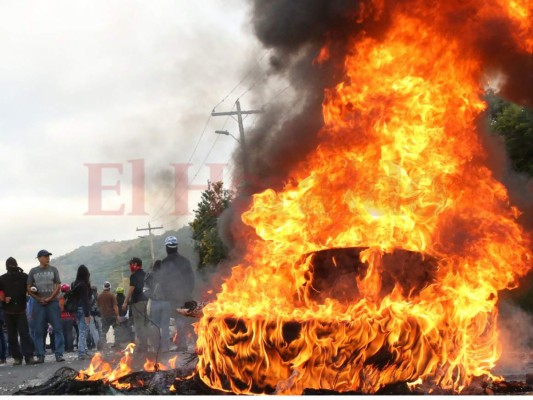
pixel 67 319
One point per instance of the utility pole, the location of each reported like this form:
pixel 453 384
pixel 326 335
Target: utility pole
pixel 239 113
pixel 150 229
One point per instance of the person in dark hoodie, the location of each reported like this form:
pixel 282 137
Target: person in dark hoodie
pixel 176 279
pixel 13 285
pixel 81 290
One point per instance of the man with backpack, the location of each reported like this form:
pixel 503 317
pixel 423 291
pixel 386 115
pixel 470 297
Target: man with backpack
pixel 13 286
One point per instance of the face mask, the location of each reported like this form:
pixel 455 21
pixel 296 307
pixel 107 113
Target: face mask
pixel 134 267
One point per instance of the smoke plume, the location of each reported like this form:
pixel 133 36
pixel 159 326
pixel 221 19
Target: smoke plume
pixel 296 30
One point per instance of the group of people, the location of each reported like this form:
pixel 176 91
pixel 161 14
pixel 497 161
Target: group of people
pixel 35 301
pixel 155 296
pixel 38 290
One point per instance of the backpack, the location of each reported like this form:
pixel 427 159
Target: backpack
pixel 70 305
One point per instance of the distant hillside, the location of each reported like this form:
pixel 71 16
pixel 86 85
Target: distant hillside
pixel 108 261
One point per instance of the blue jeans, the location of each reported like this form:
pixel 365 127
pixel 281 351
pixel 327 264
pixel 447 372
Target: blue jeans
pixel 3 342
pixel 82 328
pixel 160 316
pixel 52 314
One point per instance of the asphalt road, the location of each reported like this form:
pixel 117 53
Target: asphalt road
pixel 14 378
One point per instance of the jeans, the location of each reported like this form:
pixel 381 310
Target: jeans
pixel 3 344
pixel 52 314
pixel 68 325
pixel 17 325
pixel 82 328
pixel 159 314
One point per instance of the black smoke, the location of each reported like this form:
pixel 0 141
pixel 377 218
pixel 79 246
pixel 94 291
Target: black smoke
pixel 295 31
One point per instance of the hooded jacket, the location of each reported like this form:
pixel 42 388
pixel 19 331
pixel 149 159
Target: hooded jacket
pixel 13 283
pixel 176 279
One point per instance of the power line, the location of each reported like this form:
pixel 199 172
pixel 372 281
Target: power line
pixel 242 80
pixel 180 195
pixel 157 213
pixel 276 96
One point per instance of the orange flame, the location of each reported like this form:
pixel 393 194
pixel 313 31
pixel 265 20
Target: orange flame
pixel 100 370
pixel 172 362
pixel 151 366
pixel 400 167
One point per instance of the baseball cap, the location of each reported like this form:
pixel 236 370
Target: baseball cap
pixel 42 253
pixel 120 290
pixel 107 285
pixel 171 241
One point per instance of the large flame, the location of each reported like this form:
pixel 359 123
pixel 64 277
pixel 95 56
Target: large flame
pixel 399 166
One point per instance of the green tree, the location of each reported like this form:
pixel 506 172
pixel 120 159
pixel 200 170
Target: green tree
pixel 515 125
pixel 207 241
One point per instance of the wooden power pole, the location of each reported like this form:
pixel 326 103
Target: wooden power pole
pixel 239 113
pixel 150 229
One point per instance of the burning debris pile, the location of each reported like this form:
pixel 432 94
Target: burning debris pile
pixel 376 266
pixel 130 376
pixel 407 236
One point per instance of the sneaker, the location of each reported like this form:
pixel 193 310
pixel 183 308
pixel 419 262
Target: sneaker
pixel 40 360
pixel 18 361
pixel 60 359
pixel 82 357
pixel 31 361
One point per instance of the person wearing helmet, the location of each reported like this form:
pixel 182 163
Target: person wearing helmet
pixel 120 300
pixel 13 287
pixel 123 331
pixel 67 320
pixel 107 303
pixel 176 280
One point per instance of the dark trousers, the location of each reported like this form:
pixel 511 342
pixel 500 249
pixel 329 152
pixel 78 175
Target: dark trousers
pixel 68 325
pixel 17 326
pixel 3 344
